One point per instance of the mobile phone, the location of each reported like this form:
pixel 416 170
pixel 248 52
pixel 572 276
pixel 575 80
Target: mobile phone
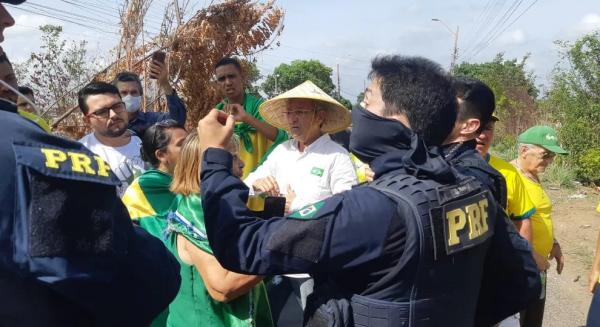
pixel 158 56
pixel 274 207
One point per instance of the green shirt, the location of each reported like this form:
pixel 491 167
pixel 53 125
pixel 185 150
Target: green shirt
pixel 193 306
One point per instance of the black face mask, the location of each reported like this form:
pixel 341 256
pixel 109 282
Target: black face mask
pixel 373 136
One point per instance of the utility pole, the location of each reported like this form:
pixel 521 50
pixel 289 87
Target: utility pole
pixel 338 81
pixel 455 50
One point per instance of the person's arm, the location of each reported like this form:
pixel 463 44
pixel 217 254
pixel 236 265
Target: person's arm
pixel 177 110
pixel 314 238
pixel 595 273
pixel 222 285
pixel 556 253
pixel 343 174
pixel 239 114
pixel 266 169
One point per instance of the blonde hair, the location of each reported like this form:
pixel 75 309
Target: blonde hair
pixel 186 178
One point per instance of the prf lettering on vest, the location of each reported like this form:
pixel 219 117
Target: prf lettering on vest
pixel 472 216
pixel 78 162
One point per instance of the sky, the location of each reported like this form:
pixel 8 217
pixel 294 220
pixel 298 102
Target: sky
pixel 350 33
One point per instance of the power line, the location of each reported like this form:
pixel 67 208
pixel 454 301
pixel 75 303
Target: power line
pixel 494 31
pixel 498 26
pixel 62 19
pixel 507 27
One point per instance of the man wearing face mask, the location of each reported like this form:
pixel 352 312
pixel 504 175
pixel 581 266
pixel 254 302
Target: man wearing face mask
pixel 69 254
pixel 407 249
pixel 131 90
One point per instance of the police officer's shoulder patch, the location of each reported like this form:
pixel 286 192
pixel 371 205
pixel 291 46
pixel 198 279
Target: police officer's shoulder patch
pixel 307 212
pixel 466 222
pixel 74 164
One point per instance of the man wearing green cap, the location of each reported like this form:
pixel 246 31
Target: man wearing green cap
pixel 537 148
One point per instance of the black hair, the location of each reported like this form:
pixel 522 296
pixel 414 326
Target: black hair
pixel 94 88
pixel 128 77
pixel 420 89
pixel 229 61
pixel 25 90
pixel 155 138
pixel 478 100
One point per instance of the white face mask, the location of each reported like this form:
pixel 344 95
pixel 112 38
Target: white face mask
pixel 132 103
pixel 36 109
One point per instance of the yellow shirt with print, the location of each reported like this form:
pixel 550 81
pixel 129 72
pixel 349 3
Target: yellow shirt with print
pixel 519 205
pixel 541 222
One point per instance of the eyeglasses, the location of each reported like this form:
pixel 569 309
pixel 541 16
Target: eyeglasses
pixel 104 113
pixel 299 113
pixel 544 155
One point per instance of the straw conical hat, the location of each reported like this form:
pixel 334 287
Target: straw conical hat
pixel 337 116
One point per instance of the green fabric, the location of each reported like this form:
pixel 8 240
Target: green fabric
pixel 155 185
pixel 251 105
pixel 193 306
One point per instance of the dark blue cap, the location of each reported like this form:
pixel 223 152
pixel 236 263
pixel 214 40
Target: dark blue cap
pixel 13 2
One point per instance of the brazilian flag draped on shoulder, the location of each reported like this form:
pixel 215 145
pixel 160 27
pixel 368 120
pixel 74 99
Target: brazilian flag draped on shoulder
pixel 186 217
pixel 147 198
pixel 255 147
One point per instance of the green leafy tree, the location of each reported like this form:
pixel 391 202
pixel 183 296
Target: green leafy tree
pixel 56 72
pixel 514 89
pixel 574 102
pixel 285 77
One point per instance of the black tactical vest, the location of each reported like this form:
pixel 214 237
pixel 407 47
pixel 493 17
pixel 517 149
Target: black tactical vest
pixel 446 243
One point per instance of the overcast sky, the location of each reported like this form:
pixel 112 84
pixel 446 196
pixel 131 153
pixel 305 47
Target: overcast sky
pixel 350 33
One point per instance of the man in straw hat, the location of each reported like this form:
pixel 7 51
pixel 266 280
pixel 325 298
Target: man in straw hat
pixel 308 168
pixel 405 250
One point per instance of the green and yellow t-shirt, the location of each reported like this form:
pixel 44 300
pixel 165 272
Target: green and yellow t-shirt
pixel 541 222
pixel 193 306
pixel 519 205
pixel 255 147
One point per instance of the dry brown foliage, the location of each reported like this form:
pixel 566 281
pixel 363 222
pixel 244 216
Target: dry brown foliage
pixel 232 28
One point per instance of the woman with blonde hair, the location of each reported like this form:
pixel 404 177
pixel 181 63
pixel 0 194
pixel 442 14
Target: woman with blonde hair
pixel 209 295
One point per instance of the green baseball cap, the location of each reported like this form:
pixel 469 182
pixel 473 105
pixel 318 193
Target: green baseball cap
pixel 544 136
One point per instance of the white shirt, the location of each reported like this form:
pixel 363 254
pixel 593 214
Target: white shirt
pixel 323 169
pixel 125 161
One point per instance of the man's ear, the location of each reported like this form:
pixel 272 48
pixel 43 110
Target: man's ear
pixel 470 126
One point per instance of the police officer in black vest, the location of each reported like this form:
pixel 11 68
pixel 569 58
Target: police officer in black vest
pixel 405 250
pixel 69 254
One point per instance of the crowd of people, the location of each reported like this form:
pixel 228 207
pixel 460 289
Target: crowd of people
pixel 293 211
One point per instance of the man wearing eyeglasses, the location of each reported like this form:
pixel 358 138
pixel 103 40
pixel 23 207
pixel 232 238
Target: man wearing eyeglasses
pixel 308 168
pixel 105 113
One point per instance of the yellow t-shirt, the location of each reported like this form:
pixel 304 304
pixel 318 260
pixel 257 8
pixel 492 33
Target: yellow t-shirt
pixel 519 205
pixel 541 222
pixel 36 119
